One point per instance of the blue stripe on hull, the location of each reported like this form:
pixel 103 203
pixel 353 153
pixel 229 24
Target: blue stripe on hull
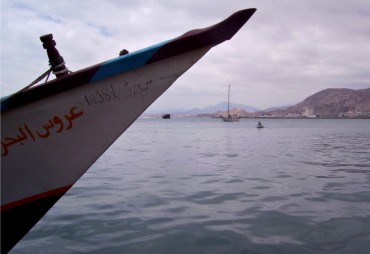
pixel 127 62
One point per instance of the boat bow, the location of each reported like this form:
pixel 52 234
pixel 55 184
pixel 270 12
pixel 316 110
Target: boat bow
pixel 52 133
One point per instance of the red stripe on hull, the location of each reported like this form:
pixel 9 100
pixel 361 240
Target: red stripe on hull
pixel 17 218
pixel 34 198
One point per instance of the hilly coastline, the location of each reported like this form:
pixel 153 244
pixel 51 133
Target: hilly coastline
pixel 328 103
pixel 217 108
pixel 332 102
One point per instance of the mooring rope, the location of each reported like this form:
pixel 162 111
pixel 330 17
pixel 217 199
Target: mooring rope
pixel 47 73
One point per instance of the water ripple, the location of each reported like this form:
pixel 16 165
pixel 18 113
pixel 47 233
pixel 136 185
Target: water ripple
pixel 200 186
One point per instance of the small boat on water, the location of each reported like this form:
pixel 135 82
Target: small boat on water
pixel 229 118
pixel 166 116
pixel 52 133
pixel 260 126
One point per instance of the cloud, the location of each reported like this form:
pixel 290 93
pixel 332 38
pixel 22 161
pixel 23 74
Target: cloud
pixel 287 51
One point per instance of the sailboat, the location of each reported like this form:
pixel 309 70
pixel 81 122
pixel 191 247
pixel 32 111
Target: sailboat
pixel 52 133
pixel 229 118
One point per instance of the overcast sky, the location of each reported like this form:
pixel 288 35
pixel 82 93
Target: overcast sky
pixel 287 51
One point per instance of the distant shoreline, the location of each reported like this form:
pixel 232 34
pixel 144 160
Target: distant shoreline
pixel 261 117
pixel 282 117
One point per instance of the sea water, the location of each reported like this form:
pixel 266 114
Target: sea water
pixel 199 185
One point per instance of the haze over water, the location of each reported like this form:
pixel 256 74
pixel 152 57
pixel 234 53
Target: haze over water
pixel 204 186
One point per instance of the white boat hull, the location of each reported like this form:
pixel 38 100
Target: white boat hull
pixel 71 151
pixel 51 134
pixel 230 119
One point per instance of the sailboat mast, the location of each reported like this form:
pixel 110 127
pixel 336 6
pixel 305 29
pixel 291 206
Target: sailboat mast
pixel 228 103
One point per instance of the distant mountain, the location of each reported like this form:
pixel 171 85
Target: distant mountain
pixel 329 102
pixel 276 108
pixel 222 106
pixel 161 111
pixel 333 101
